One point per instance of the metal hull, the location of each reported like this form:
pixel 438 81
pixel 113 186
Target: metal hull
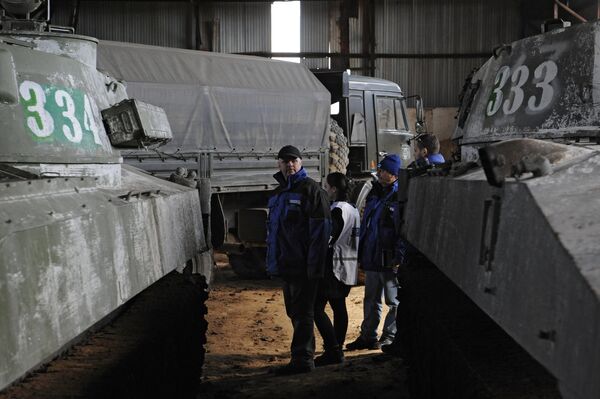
pixel 530 261
pixel 72 252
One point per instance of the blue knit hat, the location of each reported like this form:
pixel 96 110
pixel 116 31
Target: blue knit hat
pixel 391 163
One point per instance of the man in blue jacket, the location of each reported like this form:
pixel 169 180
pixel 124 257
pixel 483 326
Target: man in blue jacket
pixel 427 155
pixel 378 253
pixel 298 232
pixel 427 151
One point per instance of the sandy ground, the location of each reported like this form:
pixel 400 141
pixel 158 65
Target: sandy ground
pixel 249 333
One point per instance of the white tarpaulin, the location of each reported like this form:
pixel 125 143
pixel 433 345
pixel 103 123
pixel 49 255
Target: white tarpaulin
pixel 223 102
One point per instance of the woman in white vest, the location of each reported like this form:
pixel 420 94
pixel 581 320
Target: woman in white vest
pixel 341 271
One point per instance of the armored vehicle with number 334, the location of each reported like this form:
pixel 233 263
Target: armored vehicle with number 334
pixel 80 232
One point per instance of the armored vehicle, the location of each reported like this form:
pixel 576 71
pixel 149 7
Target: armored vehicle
pixel 80 233
pixel 518 232
pixel 231 114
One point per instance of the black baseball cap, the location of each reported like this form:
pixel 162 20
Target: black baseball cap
pixel 289 152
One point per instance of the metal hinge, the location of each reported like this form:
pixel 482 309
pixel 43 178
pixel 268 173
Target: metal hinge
pixel 489 230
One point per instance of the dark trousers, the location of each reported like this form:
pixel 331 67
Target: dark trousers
pixel 299 295
pixel 333 335
pixel 402 314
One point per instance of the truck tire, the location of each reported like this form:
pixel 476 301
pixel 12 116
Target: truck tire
pixel 338 148
pixel 249 265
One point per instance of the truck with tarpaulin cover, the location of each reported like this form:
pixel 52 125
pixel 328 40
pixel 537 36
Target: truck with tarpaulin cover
pixel 230 114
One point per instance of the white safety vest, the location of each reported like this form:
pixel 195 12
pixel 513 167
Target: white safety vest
pixel 345 249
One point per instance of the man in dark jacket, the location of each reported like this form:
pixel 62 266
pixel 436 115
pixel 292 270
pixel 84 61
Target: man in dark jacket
pixel 299 226
pixel 378 252
pixel 427 151
pixel 427 155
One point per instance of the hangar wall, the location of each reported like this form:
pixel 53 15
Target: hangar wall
pixel 426 46
pixel 227 27
pixel 408 34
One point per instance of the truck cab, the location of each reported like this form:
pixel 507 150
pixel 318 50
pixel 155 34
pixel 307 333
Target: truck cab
pixel 372 113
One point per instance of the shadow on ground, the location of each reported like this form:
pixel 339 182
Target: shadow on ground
pixel 249 333
pixel 363 376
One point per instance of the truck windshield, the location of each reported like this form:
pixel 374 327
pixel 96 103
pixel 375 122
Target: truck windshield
pixel 358 132
pixel 389 113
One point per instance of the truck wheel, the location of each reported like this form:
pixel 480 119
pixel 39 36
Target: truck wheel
pixel 338 148
pixel 251 264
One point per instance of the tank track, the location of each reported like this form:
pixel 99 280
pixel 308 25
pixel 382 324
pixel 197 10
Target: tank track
pixel 454 350
pixel 153 348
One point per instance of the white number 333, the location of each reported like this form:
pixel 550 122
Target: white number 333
pixel 543 75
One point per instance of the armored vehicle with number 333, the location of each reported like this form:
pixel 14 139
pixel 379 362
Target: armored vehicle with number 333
pixel 518 232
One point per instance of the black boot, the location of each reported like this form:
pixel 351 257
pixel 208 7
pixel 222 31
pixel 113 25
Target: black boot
pixel 293 368
pixel 330 356
pixel 360 343
pixel 393 349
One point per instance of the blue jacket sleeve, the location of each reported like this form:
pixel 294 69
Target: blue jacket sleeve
pixel 320 231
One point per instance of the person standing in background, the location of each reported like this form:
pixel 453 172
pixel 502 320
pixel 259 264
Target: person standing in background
pixel 379 251
pixel 341 271
pixel 298 230
pixel 427 155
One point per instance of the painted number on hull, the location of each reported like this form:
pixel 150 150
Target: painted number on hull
pixel 543 76
pixel 58 113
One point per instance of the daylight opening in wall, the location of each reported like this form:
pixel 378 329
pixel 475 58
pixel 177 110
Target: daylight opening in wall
pixel 285 28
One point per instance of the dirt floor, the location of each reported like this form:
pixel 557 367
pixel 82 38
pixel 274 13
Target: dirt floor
pixel 249 333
